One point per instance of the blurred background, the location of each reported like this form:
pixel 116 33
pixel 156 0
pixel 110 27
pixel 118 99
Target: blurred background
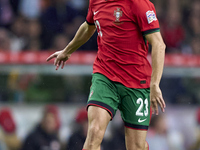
pixel 44 109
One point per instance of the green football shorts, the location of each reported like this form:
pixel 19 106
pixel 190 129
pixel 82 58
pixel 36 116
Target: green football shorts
pixel 134 104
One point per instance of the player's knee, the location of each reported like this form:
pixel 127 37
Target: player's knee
pixel 137 146
pixel 95 136
pixel 96 131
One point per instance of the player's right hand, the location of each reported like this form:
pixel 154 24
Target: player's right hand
pixel 60 58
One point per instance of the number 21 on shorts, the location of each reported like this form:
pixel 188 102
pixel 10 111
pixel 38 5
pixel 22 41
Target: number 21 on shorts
pixel 143 109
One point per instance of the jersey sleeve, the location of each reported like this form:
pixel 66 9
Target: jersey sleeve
pixel 89 18
pixel 145 16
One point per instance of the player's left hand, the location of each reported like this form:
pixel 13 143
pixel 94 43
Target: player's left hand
pixel 156 99
pixel 60 58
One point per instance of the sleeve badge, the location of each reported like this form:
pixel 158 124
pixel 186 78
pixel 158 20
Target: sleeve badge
pixel 151 16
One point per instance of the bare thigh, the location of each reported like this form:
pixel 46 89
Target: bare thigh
pixel 135 139
pixel 98 119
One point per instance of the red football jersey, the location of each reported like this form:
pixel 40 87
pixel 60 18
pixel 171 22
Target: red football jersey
pixel 122 48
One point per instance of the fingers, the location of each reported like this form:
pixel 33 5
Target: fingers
pixel 59 63
pixel 161 102
pixel 152 109
pixel 161 105
pixel 51 56
pixel 56 61
pixel 57 66
pixel 62 64
pixel 154 105
pixel 59 59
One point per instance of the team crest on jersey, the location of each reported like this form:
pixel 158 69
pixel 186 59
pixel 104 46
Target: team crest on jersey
pixel 151 16
pixel 118 14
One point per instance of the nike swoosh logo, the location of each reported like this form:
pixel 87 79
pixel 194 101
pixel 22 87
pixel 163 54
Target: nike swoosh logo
pixel 139 120
pixel 95 12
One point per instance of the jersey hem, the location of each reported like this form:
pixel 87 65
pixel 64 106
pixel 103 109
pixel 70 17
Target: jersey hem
pixel 146 86
pixel 150 31
pixel 89 23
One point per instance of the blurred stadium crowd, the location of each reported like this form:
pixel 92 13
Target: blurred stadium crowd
pixel 53 127
pixel 51 24
pixel 40 24
pixel 46 133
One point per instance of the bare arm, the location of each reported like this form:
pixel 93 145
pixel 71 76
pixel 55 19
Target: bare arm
pixel 83 34
pixel 158 54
